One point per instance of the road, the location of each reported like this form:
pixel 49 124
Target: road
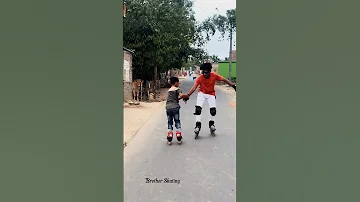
pixel 202 170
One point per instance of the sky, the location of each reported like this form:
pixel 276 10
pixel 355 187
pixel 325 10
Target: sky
pixel 207 8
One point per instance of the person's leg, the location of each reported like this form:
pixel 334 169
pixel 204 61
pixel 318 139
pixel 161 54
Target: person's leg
pixel 198 108
pixel 177 124
pixel 212 105
pixel 177 119
pixel 170 118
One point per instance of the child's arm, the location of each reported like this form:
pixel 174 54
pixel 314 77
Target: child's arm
pixel 183 96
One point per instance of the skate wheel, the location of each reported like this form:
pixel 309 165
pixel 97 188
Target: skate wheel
pixel 179 142
pixel 212 132
pixel 169 143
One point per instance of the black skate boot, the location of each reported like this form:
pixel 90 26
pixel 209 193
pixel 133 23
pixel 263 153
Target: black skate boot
pixel 197 129
pixel 212 127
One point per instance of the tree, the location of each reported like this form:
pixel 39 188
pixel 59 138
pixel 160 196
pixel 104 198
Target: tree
pixel 161 32
pixel 214 58
pixel 226 25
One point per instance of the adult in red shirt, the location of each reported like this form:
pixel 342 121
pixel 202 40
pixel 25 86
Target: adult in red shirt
pixel 206 83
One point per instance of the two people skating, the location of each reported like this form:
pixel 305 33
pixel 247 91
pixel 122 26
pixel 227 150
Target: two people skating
pixel 206 83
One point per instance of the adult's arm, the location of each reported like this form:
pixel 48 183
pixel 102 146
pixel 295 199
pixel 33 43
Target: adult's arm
pixel 191 91
pixel 220 78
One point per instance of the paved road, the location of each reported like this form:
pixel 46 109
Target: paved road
pixel 205 167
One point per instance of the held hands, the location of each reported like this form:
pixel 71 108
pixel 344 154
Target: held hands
pixel 185 98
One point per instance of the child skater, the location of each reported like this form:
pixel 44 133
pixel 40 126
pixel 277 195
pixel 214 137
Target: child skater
pixel 173 109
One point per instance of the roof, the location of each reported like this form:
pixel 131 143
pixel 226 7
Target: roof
pixel 131 51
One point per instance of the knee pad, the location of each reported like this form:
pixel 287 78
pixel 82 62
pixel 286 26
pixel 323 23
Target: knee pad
pixel 197 110
pixel 213 111
pixel 211 123
pixel 198 124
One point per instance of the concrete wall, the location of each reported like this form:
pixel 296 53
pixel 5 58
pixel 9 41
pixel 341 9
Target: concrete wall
pixel 215 67
pixel 127 91
pixel 127 67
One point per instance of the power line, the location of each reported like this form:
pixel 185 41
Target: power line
pixel 200 8
pixel 203 7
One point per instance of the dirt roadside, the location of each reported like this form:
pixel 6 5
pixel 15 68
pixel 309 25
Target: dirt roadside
pixel 136 116
pixel 227 89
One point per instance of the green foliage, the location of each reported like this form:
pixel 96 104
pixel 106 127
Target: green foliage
pixel 215 58
pixel 224 24
pixel 162 33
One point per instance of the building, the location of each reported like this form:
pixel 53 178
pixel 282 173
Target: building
pixel 215 67
pixel 233 55
pixel 124 9
pixel 127 77
pixel 128 65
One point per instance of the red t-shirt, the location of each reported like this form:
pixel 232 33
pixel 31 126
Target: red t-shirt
pixel 207 85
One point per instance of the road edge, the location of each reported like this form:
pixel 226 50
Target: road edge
pixel 221 88
pixel 126 142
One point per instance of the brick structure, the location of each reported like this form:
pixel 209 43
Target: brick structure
pixel 233 55
pixel 124 9
pixel 127 91
pixel 215 67
pixel 127 77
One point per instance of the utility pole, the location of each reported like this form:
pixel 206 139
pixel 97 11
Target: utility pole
pixel 230 55
pixel 230 50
